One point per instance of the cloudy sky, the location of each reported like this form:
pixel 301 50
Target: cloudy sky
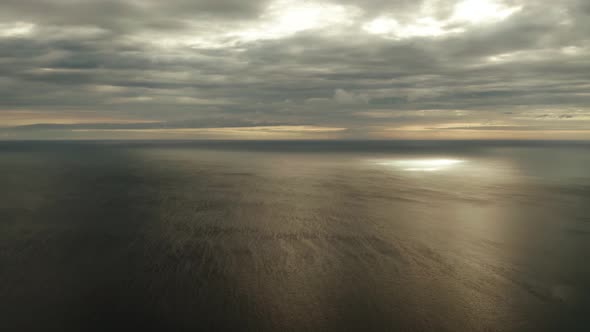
pixel 285 69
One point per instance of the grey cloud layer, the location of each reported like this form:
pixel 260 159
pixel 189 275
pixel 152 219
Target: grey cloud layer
pixel 155 60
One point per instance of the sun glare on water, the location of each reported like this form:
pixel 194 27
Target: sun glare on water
pixel 423 165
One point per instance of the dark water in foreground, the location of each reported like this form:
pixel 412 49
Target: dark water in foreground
pixel 278 236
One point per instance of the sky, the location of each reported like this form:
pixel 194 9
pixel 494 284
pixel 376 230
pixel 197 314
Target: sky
pixel 284 69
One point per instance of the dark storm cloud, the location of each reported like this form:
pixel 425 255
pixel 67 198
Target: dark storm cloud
pixel 126 15
pixel 243 63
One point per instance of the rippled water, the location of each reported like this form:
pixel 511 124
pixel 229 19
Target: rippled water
pixel 279 236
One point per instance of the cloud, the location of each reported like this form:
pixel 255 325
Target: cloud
pixel 360 65
pixel 343 97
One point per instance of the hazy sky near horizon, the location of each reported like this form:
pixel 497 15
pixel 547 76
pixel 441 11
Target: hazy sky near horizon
pixel 295 69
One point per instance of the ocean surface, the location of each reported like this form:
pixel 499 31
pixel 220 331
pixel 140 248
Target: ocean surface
pixel 295 236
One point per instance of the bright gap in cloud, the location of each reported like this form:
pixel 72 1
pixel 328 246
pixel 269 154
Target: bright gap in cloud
pixel 16 29
pixel 481 11
pixel 467 12
pixel 287 17
pixel 281 19
pixel 422 27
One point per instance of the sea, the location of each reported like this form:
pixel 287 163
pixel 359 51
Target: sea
pixel 294 236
